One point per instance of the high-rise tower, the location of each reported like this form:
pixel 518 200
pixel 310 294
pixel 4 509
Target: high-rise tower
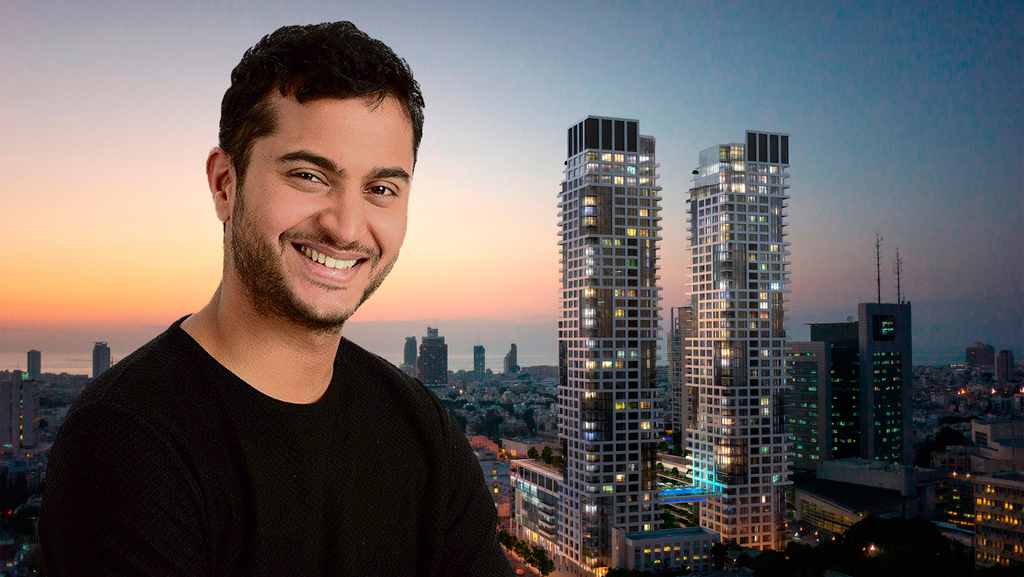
pixel 35 363
pixel 479 362
pixel 609 228
pixel 738 284
pixel 511 363
pixel 100 359
pixel 432 364
pixel 683 409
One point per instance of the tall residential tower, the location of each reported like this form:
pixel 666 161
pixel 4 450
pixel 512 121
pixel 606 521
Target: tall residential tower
pixel 738 283
pixel 609 228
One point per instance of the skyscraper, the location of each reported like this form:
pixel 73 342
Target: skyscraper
pixel 511 364
pixel 35 362
pixel 100 359
pixel 479 364
pixel 432 363
pixel 682 411
pixel 410 351
pixel 1004 366
pixel 738 283
pixel 19 414
pixel 851 387
pixel 609 225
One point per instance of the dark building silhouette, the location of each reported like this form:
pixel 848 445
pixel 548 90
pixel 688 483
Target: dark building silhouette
pixel 479 365
pixel 851 389
pixel 1004 366
pixel 682 398
pixel 34 365
pixel 100 359
pixel 432 364
pixel 980 355
pixel 410 351
pixel 511 364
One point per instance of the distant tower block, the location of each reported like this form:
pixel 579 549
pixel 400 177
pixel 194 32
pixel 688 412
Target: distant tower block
pixel 100 359
pixel 34 365
pixel 432 363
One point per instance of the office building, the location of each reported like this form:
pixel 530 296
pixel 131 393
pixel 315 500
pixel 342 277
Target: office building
pixel 479 364
pixel 998 526
pixel 682 409
pixel 19 415
pixel 35 363
pixel 980 356
pixel 410 351
pixel 1004 366
pixel 739 277
pixel 511 364
pixel 609 228
pixel 432 364
pixel 100 359
pixel 851 389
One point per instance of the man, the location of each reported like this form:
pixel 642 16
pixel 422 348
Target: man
pixel 251 438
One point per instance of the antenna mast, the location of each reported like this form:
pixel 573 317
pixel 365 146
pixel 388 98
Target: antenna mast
pixel 878 266
pixel 897 267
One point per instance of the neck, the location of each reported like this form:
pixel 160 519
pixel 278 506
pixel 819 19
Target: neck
pixel 277 357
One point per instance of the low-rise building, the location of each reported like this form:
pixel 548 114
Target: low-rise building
pixel 671 548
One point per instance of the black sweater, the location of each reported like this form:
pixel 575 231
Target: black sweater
pixel 169 464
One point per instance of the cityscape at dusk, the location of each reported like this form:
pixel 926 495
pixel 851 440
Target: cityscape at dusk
pixel 701 288
pixel 907 124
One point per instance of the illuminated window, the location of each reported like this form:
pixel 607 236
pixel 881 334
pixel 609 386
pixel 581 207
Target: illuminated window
pixel 630 232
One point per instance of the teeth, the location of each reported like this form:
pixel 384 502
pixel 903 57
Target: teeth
pixel 326 260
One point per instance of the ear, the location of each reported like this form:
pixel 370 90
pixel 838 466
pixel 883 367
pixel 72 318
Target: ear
pixel 220 174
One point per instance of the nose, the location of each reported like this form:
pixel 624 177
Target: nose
pixel 346 217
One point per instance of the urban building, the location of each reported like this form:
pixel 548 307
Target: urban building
pixel 1005 366
pixel 609 228
pixel 655 551
pixel 739 278
pixel 534 504
pixel 100 359
pixel 980 356
pixel 479 363
pixel 19 414
pixel 410 351
pixel 432 363
pixel 682 409
pixel 998 524
pixel 851 389
pixel 511 364
pixel 35 364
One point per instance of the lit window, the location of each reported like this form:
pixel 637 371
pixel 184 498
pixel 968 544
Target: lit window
pixel 630 232
pixel 606 157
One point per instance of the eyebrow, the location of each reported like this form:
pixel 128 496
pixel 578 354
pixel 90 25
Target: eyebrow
pixel 329 165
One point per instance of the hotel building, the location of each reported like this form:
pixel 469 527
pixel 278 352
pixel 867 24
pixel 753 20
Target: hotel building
pixel 739 276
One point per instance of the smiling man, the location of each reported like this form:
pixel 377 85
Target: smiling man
pixel 251 438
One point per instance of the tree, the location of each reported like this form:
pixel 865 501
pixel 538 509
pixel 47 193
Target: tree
pixel 531 424
pixel 677 449
pixel 663 447
pixel 718 556
pixel 675 471
pixel 668 521
pixel 532 453
pixel 541 561
pixel 744 560
pixel 546 455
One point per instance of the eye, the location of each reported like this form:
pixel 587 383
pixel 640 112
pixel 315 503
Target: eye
pixel 308 176
pixel 381 190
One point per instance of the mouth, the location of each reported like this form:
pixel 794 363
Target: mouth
pixel 327 261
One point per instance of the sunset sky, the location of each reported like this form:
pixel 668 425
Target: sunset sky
pixel 905 122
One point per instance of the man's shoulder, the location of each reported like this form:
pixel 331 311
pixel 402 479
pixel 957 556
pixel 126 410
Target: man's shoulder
pixel 160 374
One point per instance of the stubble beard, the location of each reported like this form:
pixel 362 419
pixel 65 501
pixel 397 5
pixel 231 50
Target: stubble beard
pixel 260 269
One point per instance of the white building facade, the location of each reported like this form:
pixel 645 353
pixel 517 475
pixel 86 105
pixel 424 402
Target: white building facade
pixel 739 278
pixel 609 229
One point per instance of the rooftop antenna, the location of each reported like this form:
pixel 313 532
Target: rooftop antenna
pixel 878 266
pixel 897 267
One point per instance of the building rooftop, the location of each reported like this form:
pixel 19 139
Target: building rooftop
pixel 847 495
pixel 669 533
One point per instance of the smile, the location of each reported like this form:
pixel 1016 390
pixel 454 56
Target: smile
pixel 327 261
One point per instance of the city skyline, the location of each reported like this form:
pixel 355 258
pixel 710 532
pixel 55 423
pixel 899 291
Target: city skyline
pixel 908 125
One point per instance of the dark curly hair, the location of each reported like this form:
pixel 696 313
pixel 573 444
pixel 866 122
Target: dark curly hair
pixel 333 59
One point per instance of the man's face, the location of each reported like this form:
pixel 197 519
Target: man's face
pixel 320 214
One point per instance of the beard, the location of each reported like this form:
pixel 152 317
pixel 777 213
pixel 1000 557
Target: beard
pixel 260 268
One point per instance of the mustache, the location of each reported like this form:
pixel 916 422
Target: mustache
pixel 325 238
